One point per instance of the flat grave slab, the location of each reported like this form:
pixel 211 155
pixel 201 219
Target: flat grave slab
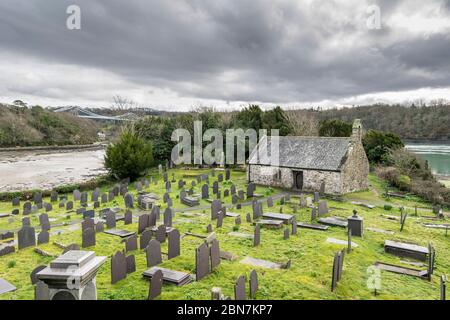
pixel 312 226
pixel 169 276
pixel 342 242
pixel 437 226
pixel 260 263
pixel 4 215
pixel 225 255
pixel 240 235
pixel 334 222
pixel 361 204
pixel 270 223
pixel 232 214
pixel 406 250
pixel 400 270
pixel 5 286
pixel 119 233
pixel 380 231
pixel 286 218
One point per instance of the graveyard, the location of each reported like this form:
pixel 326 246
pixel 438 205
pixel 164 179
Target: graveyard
pixel 231 236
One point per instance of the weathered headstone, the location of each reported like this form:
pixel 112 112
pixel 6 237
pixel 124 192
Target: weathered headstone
pixel 131 243
pixel 143 223
pixel 128 198
pixel 16 202
pixel 88 237
pixel 294 225
pixel 168 213
pixel 161 233
pixel 104 198
pixel 248 218
pixel 145 238
pixel 239 289
pixel 118 267
pixel 155 285
pixel 69 205
pixel 286 234
pixel 202 259
pixel 216 206
pixel 253 284
pixel 209 228
pixel 214 253
pixel 26 208
pixel 128 217
pixel 269 202
pixel 257 235
pixel 174 244
pixel 99 227
pixel 110 218
pixel 26 237
pixel 54 196
pixel 220 216
pixel 43 237
pixel 131 263
pixel 153 252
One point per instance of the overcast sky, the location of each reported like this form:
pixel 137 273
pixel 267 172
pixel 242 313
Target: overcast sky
pixel 175 54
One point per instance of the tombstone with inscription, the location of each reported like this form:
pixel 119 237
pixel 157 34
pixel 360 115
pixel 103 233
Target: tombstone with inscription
pixel 44 222
pixel 322 208
pixel 355 223
pixel 253 283
pixel 26 237
pixel 143 222
pixel 216 206
pixel 131 263
pixel 128 217
pixel 88 237
pixel 110 218
pixel 155 285
pixel 145 238
pixel 72 276
pixel 26 208
pixel 316 197
pixel 131 243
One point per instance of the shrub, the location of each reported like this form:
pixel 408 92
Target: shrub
pixel 403 182
pixel 387 207
pixel 130 156
pixel 11 264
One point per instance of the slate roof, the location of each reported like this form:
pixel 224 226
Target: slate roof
pixel 315 153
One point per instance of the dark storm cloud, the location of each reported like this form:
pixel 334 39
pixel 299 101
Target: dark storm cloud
pixel 269 51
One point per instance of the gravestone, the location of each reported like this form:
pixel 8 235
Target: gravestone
pixel 313 213
pixel 202 261
pixel 161 233
pixel 26 236
pixel 257 235
pixel 69 205
pixel 111 195
pixel 84 197
pixel 44 222
pixel 37 197
pixel 104 198
pixel 128 217
pixel 43 237
pixel 239 289
pixel 153 253
pixel 233 189
pixel 174 244
pixel 250 190
pixel 209 228
pixel 257 209
pixel 54 196
pixel 286 234
pixel 241 194
pixel 156 211
pixel 128 198
pixel 216 206
pixel 215 187
pixel 99 227
pixel 227 174
pixel 35 271
pixel 16 202
pixel 237 221
pixel 118 267
pixel 355 223
pixel 88 237
pixel 138 186
pixel 76 195
pixel 322 189
pixel 294 226
pixel 226 193
pixel 81 210
pixel 234 199
pixel 110 218
pixel 87 223
pixel 253 284
pixel 155 285
pixel 26 208
pixel 220 216
pixel 62 204
pixel 143 222
pixel 269 202
pixel 214 253
pixel 145 238
pixel 303 201
pixel 168 213
pixel 131 243
pixel 89 214
pixel 131 263
pixel 96 205
pixel 316 197
pixel 322 208
pixel 248 218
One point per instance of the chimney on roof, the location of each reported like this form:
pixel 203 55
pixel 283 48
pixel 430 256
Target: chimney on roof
pixel 357 131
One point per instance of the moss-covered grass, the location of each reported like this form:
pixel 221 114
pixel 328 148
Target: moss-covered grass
pixel 308 278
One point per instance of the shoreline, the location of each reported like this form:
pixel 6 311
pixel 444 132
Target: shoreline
pixel 55 148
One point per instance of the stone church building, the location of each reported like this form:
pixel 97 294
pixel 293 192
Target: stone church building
pixel 305 163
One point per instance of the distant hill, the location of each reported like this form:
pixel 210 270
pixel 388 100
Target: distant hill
pixel 35 126
pixel 415 123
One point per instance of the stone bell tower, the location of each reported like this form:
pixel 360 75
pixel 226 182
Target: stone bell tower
pixel 357 131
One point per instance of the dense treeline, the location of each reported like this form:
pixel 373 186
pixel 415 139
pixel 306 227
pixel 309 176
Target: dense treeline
pixel 35 126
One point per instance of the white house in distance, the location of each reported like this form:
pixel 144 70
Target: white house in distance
pixel 307 162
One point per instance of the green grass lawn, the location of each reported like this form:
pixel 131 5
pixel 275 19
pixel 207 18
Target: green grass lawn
pixel 312 257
